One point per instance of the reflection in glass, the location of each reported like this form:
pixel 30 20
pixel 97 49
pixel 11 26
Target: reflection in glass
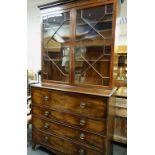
pixel 93 45
pixel 56 53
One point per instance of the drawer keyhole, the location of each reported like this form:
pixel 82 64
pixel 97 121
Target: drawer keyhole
pixel 46 98
pixel 46 125
pixel 82 152
pixel 82 136
pixel 46 113
pixel 82 122
pixel 83 105
pixel 46 139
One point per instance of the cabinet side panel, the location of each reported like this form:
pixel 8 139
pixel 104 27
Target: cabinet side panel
pixel 110 124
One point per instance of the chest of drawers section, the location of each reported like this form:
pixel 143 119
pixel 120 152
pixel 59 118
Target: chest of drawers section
pixel 70 123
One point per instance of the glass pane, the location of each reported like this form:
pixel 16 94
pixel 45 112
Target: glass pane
pixel 91 66
pixel 56 53
pixel 93 45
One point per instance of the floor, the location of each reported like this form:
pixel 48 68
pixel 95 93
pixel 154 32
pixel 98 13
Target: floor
pixel 117 149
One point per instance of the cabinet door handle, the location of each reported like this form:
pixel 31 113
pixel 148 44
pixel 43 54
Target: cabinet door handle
pixel 82 152
pixel 82 122
pixel 46 98
pixel 82 105
pixel 46 113
pixel 82 136
pixel 46 125
pixel 46 139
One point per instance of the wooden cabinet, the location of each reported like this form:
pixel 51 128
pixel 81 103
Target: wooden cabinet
pixel 120 131
pixel 73 106
pixel 120 65
pixel 83 121
pixel 120 61
pixel 120 74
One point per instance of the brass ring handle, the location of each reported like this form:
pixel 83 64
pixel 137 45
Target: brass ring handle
pixel 46 113
pixel 82 136
pixel 46 139
pixel 81 152
pixel 82 105
pixel 82 122
pixel 46 98
pixel 46 125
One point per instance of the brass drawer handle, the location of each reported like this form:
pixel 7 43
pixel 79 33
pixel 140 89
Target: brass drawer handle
pixel 46 125
pixel 82 105
pixel 82 136
pixel 46 98
pixel 82 122
pixel 46 139
pixel 46 113
pixel 82 152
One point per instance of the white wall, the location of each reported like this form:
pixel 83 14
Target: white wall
pixel 34 34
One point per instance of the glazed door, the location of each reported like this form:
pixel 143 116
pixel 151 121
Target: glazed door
pixel 56 49
pixel 78 46
pixel 93 50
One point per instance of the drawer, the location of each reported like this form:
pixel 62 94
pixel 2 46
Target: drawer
pixel 62 145
pixel 72 133
pixel 41 96
pixel 85 105
pixel 77 121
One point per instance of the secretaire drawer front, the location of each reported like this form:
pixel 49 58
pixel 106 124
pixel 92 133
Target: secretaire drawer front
pixel 85 105
pixel 62 145
pixel 72 133
pixel 77 121
pixel 41 96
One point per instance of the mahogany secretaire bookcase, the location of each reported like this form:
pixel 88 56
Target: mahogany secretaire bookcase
pixel 72 108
